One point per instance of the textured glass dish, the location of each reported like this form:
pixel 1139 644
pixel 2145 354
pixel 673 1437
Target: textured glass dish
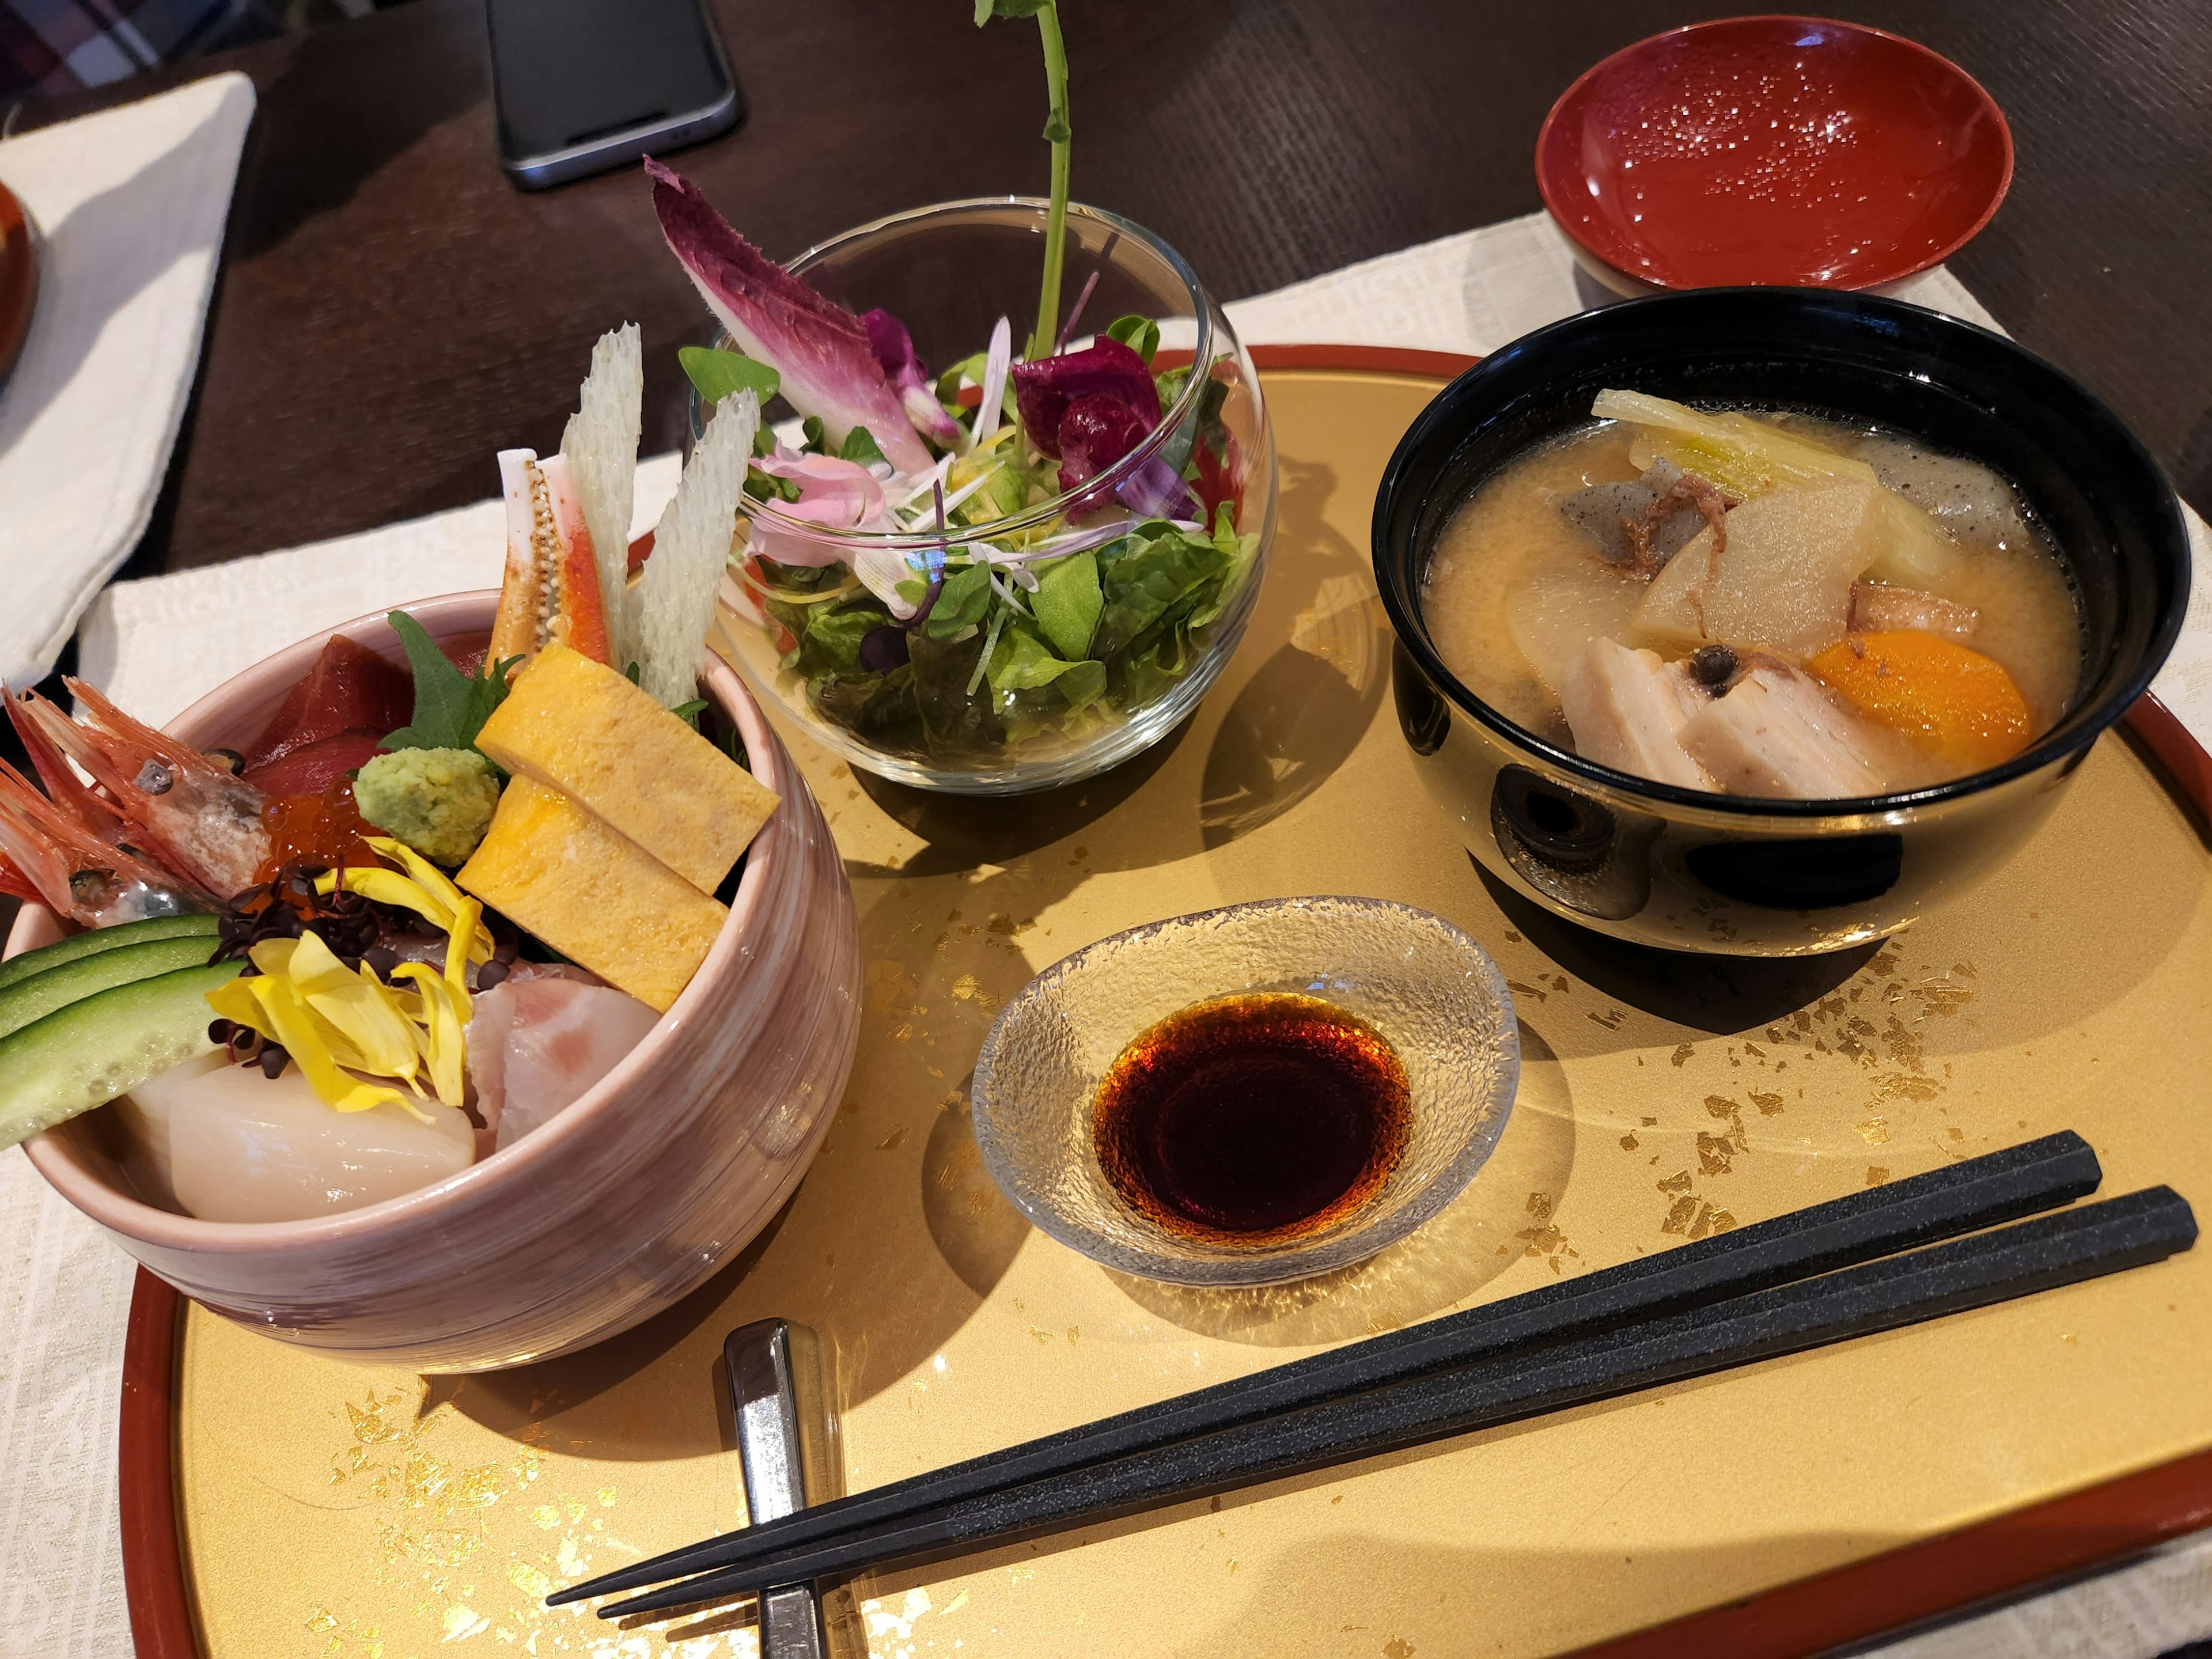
pixel 948 273
pixel 1420 982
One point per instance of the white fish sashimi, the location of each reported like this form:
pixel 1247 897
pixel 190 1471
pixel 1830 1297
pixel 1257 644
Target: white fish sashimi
pixel 537 1045
pixel 223 1143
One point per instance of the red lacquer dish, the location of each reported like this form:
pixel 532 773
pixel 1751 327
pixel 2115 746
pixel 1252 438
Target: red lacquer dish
pixel 1787 150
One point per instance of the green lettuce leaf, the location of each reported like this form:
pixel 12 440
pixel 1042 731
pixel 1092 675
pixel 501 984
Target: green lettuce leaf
pixel 1140 334
pixel 961 604
pixel 829 643
pixel 1238 551
pixel 954 721
pixel 861 446
pixel 719 374
pixel 1157 568
pixel 1067 603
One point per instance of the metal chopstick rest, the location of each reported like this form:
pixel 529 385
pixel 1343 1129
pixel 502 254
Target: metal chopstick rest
pixel 786 1452
pixel 1980 1192
pixel 1975 1272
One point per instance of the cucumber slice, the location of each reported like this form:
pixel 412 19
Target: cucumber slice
pixel 95 939
pixel 102 1046
pixel 58 987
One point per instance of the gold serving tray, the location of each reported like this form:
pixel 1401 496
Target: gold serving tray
pixel 331 1509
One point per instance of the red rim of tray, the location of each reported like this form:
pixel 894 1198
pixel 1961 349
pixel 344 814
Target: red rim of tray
pixel 1789 198
pixel 2001 1557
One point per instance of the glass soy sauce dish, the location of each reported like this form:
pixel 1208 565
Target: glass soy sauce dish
pixel 1251 1095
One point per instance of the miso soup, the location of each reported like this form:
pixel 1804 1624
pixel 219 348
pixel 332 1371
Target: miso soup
pixel 1756 603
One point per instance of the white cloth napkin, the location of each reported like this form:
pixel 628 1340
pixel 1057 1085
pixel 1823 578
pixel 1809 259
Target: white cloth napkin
pixel 128 207
pixel 156 646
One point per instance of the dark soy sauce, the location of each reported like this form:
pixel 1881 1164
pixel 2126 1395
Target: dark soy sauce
pixel 1251 1120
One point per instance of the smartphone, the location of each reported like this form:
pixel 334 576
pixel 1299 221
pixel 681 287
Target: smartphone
pixel 580 86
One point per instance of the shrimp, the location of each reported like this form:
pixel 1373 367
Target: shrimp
pixel 50 855
pixel 192 814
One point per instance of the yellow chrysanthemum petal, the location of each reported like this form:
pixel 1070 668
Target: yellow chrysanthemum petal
pixel 443 1021
pixel 436 900
pixel 295 1027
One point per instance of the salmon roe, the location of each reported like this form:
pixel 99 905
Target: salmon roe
pixel 325 829
pixel 1961 702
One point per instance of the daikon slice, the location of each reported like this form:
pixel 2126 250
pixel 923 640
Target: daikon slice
pixel 1782 579
pixel 1563 602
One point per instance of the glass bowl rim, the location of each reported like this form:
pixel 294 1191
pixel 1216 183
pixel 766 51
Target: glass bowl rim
pixel 1103 482
pixel 1231 1267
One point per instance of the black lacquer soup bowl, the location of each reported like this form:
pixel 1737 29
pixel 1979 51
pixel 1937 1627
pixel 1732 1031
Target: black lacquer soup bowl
pixel 1690 871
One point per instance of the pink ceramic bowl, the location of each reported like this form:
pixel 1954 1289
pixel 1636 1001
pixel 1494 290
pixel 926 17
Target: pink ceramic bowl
pixel 619 1206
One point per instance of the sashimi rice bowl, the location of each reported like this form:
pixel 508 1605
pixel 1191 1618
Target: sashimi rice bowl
pixel 500 923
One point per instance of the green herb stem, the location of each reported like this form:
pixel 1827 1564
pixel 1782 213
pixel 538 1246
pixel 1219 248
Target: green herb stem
pixel 1057 129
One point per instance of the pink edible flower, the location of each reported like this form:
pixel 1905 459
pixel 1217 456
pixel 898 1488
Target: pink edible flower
pixel 833 493
pixel 894 350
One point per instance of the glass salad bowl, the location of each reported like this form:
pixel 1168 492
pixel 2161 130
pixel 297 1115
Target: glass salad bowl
pixel 1062 619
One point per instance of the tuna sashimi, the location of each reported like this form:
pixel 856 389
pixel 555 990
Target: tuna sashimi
pixel 537 1044
pixel 350 689
pixel 313 768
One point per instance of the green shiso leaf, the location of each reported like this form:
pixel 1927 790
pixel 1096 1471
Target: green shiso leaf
pixel 450 707
pixel 717 374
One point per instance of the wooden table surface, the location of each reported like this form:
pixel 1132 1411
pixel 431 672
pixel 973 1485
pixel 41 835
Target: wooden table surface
pixel 391 312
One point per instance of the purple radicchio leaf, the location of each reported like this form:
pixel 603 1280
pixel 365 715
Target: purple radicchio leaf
pixel 894 352
pixel 1095 430
pixel 820 349
pixel 1044 389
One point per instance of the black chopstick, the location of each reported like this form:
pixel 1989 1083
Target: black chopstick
pixel 1980 1192
pixel 1883 1295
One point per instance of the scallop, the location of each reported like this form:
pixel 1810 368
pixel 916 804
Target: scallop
pixel 224 1143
